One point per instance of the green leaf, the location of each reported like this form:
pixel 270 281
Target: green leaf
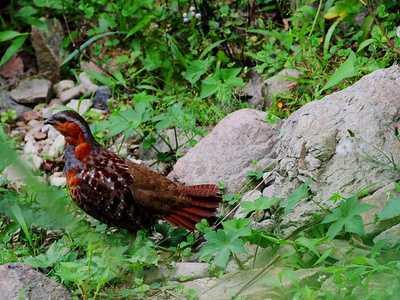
pixel 9 35
pixel 391 209
pixel 295 197
pixel 347 217
pixel 328 38
pixel 260 204
pixel 345 70
pixel 365 44
pixel 144 21
pixel 221 244
pixel 210 47
pixel 195 69
pixel 15 46
pixel 222 83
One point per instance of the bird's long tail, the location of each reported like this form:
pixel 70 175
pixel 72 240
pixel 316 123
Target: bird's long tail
pixel 204 201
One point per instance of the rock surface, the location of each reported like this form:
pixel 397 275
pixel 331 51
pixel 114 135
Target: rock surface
pixel 341 143
pixel 7 103
pixel 280 83
pixel 19 281
pixel 183 271
pixel 391 236
pixel 101 98
pixel 31 91
pixel 265 287
pixel 47 45
pixel 227 152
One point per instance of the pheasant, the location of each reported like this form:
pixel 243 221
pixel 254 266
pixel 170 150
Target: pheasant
pixel 122 193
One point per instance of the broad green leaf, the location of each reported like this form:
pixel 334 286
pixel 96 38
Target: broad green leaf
pixel 15 46
pixel 260 204
pixel 346 70
pixel 210 47
pixel 209 86
pixel 347 217
pixel 55 4
pixel 391 209
pixel 195 69
pixel 328 38
pixel 221 244
pixel 365 44
pixel 9 35
pixel 144 21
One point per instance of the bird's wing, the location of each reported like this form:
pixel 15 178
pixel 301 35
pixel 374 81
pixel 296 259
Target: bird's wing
pixel 180 205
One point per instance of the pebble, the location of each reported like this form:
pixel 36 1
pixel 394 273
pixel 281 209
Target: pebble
pixel 62 86
pixel 80 106
pixel 57 147
pixel 86 86
pixel 69 94
pixel 31 91
pixel 57 179
pixel 30 115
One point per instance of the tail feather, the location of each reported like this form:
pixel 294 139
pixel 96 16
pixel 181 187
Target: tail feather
pixel 204 200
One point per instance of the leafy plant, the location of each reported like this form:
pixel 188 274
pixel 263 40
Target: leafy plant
pixel 347 217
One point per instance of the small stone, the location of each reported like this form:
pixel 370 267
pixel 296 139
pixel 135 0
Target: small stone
pixel 30 115
pixel 280 83
pixel 62 86
pixel 57 147
pixel 6 103
pixel 69 94
pixel 101 98
pixel 30 147
pixel 34 161
pixel 57 179
pixel 39 135
pixel 80 106
pixel 31 91
pixel 182 272
pixel 13 176
pixel 87 86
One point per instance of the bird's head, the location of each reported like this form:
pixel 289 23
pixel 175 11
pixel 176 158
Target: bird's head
pixel 72 126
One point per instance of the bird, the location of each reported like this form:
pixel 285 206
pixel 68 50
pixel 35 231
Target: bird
pixel 121 193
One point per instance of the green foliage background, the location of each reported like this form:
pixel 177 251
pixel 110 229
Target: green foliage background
pixel 171 66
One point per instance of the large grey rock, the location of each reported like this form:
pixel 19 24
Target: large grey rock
pixel 227 152
pixel 391 236
pixel 266 286
pixel 31 91
pixel 342 143
pixel 47 45
pixel 19 281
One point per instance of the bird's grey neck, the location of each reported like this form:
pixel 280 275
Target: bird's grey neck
pixel 71 162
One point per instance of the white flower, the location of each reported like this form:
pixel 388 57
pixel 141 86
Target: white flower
pixel 185 19
pixel 184 15
pixel 198 16
pixel 192 8
pixel 398 31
